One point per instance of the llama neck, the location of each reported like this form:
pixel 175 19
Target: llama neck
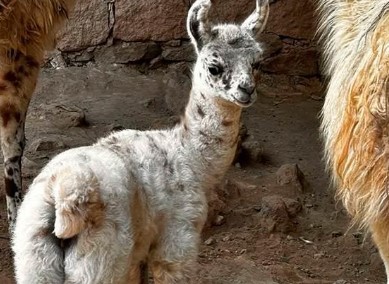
pixel 209 134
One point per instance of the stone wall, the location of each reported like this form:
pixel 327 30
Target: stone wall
pixel 152 33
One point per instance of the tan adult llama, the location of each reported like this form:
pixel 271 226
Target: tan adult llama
pixel 355 117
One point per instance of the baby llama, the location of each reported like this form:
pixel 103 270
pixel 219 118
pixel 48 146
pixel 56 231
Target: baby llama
pixel 98 214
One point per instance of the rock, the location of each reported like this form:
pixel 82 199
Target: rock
pixel 114 127
pixel 274 215
pixel 177 88
pixel 184 52
pixel 57 61
pixel 80 56
pixel 272 44
pixel 233 188
pixel 250 152
pixel 156 62
pixel 277 212
pixel 174 42
pixel 292 18
pixel 86 27
pixel 46 144
pixel 128 52
pixel 183 68
pixel 27 163
pixel 69 116
pixel 290 174
pixel 295 62
pixel 292 206
pixel 158 20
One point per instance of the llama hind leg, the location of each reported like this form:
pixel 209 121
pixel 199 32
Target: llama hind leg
pixel 18 76
pixel 380 233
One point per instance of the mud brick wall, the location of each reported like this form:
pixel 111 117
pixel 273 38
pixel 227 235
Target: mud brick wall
pixel 152 33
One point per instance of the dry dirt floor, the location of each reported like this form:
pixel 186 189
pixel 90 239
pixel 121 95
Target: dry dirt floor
pixel 269 225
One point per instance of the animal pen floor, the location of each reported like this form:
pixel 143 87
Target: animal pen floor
pixel 252 239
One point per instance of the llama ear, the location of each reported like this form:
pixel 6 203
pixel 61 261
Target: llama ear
pixel 198 25
pixel 256 22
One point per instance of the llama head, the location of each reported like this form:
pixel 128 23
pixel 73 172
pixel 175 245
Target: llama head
pixel 227 54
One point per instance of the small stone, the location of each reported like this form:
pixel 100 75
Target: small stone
pixel 318 255
pixel 243 251
pixel 336 234
pixel 219 220
pixel 257 208
pixel 156 62
pixel 180 53
pixel 128 52
pixel 174 42
pixel 290 174
pixel 251 151
pixel 341 281
pixel 226 238
pixel 210 241
pixel 289 237
pixel 69 116
pixel 57 61
pixel 237 165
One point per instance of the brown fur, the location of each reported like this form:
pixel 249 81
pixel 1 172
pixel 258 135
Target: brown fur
pixel 30 26
pixel 27 29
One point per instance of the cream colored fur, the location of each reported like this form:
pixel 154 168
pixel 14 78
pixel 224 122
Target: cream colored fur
pixel 355 113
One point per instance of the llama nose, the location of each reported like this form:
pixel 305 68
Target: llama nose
pixel 247 88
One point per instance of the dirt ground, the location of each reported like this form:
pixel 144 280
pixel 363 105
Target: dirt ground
pixel 252 239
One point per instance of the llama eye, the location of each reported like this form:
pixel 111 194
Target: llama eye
pixel 215 70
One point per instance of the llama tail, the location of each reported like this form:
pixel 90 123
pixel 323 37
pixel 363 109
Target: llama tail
pixel 64 203
pixel 77 201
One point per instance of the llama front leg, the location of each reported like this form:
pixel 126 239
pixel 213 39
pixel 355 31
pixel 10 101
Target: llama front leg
pixel 18 76
pixel 173 273
pixel 175 258
pixel 380 233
